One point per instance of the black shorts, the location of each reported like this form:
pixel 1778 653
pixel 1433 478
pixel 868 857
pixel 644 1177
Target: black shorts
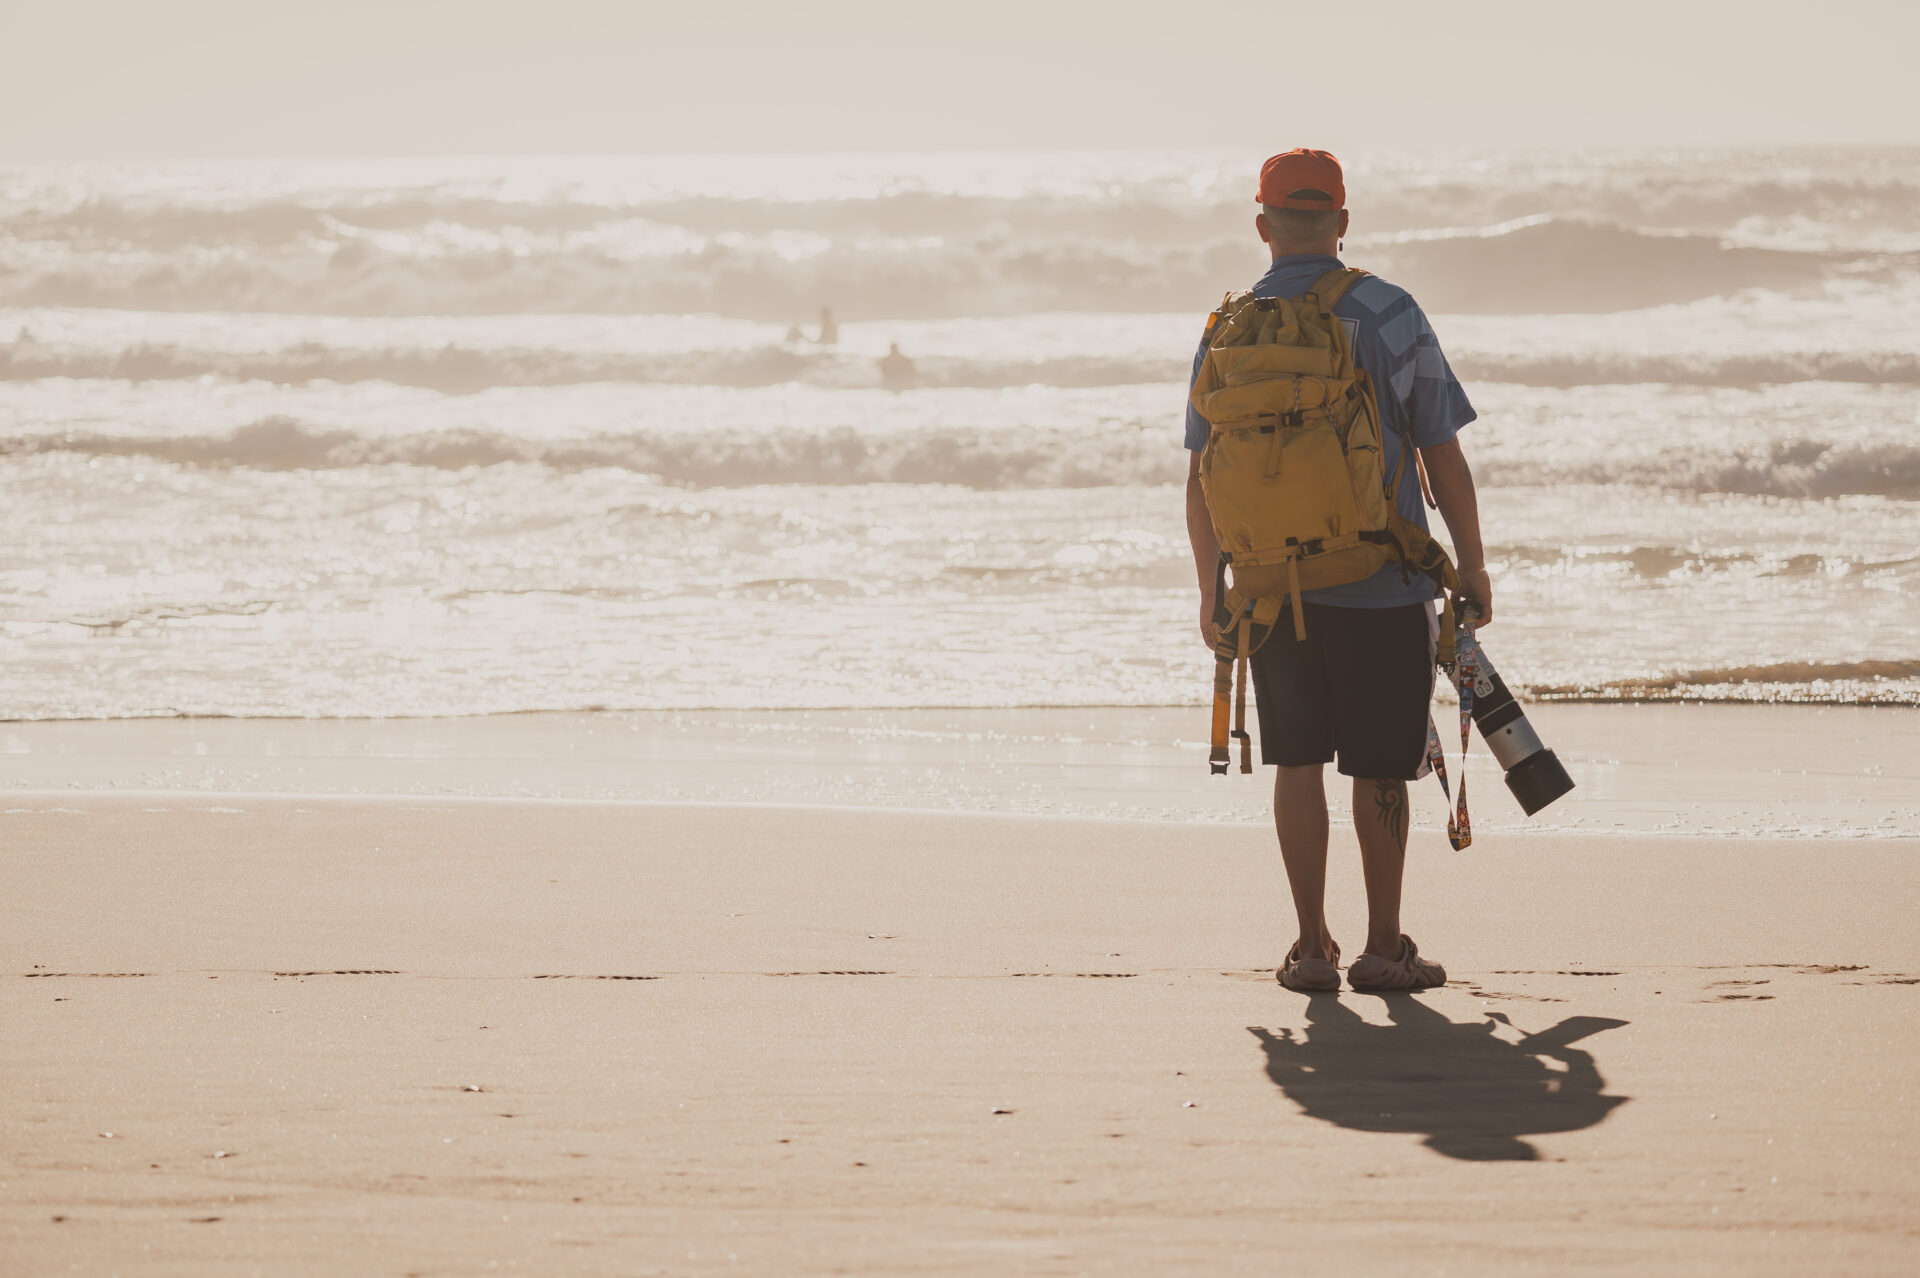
pixel 1357 687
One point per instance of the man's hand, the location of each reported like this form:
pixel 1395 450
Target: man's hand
pixel 1206 620
pixel 1477 588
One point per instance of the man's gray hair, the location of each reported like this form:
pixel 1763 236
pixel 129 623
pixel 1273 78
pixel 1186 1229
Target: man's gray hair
pixel 1301 226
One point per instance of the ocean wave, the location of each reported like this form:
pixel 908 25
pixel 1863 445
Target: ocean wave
pixel 1683 368
pixel 1550 264
pixel 1806 468
pixel 449 368
pixel 1546 264
pixel 750 280
pixel 843 456
pixel 1034 458
pixel 465 369
pixel 1823 212
pixel 1871 682
pixel 162 225
pixel 1146 198
pixel 457 369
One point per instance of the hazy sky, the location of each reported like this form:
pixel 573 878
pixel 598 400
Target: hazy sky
pixel 161 78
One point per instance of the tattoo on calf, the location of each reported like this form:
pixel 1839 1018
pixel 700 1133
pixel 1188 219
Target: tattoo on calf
pixel 1390 799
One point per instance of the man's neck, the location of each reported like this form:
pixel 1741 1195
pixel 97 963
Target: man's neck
pixel 1330 249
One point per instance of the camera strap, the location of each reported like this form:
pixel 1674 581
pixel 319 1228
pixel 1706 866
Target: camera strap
pixel 1466 667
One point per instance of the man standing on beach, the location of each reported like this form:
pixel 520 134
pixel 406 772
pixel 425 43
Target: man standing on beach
pixel 1357 688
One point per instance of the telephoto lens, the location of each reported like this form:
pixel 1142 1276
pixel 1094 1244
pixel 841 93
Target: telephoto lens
pixel 1534 774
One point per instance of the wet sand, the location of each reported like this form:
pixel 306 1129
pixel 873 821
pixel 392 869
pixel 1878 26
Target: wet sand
pixel 273 1035
pixel 1686 769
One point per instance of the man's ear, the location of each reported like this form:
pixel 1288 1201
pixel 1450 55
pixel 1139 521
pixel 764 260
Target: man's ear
pixel 1260 225
pixel 1343 224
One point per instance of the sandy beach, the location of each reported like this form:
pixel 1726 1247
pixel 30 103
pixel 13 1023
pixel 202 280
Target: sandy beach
pixel 413 1036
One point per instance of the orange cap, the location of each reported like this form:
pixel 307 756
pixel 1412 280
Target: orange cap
pixel 1302 170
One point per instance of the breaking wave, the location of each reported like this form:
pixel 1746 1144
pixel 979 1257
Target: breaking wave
pixel 464 369
pixel 1143 196
pixel 843 456
pixel 1846 682
pixel 1559 264
pixel 1806 468
pixel 1610 368
pixel 1545 264
pixel 1030 458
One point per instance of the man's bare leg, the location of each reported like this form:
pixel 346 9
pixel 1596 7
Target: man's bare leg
pixel 1380 820
pixel 1300 817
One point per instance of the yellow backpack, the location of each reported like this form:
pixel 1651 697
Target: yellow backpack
pixel 1294 479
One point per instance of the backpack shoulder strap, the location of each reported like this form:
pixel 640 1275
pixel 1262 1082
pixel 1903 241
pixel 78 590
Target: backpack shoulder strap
pixel 1333 286
pixel 1214 317
pixel 1207 379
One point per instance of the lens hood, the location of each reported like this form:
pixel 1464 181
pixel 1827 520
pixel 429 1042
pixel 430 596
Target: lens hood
pixel 1538 780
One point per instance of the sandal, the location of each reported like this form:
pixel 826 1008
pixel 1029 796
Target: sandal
pixel 1375 974
pixel 1310 975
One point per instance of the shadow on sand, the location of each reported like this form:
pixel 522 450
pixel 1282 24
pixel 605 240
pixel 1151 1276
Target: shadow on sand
pixel 1472 1095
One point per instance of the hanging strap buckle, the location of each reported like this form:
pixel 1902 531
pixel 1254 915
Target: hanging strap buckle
pixel 1241 660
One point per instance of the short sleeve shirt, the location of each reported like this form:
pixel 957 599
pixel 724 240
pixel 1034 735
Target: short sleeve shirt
pixel 1418 394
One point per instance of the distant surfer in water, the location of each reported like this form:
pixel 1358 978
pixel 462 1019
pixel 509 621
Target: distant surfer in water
pixel 1357 687
pixel 829 331
pixel 896 370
